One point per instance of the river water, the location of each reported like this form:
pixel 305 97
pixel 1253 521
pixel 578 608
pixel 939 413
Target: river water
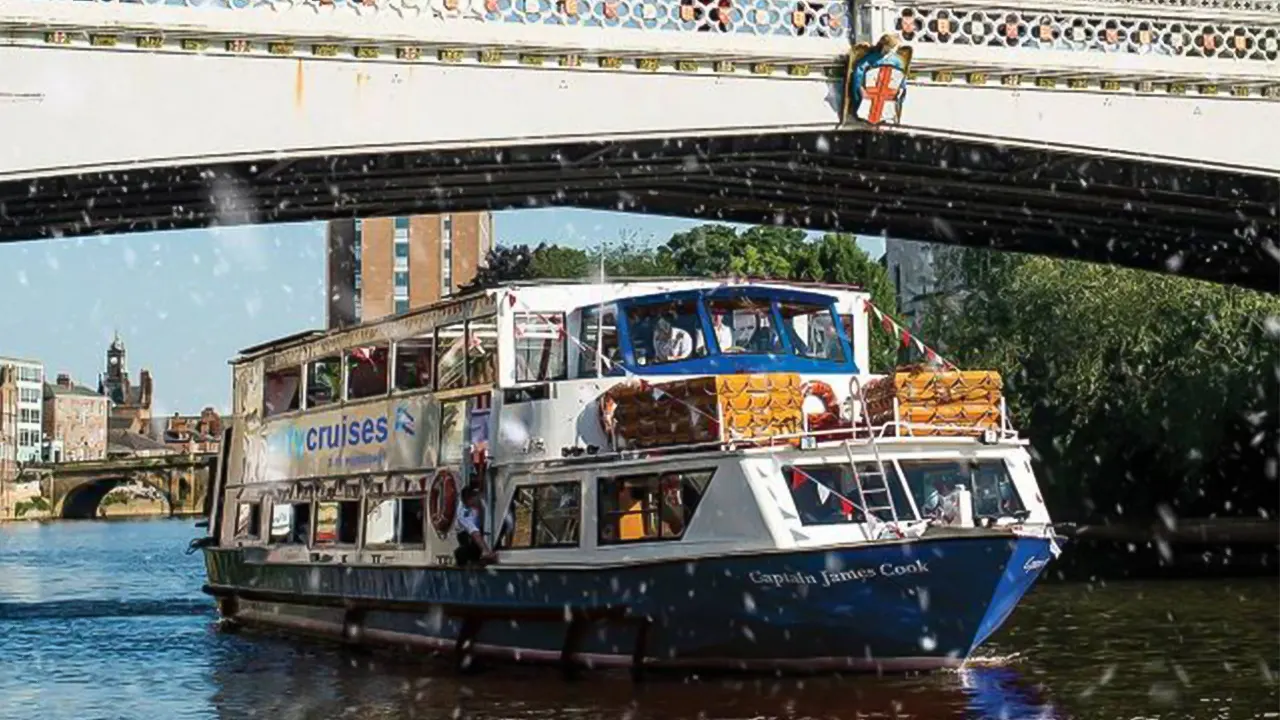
pixel 106 620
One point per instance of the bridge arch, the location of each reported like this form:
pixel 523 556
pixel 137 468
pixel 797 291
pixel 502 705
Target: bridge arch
pixel 82 501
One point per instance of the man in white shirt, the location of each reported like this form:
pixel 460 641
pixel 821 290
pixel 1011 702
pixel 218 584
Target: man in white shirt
pixel 472 549
pixel 670 343
pixel 724 333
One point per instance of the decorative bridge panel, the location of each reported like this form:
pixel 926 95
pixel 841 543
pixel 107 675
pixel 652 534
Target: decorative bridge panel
pixel 1125 29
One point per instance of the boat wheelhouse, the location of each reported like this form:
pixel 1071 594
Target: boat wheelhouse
pixel 675 473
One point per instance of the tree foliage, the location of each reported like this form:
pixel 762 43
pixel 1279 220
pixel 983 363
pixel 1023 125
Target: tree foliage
pixel 1136 389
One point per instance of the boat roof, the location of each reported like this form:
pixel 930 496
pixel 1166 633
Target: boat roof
pixel 714 283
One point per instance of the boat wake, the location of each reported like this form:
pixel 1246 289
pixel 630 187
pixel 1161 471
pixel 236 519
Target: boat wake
pixel 73 609
pixel 987 661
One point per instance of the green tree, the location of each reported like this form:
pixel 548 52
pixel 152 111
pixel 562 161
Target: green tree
pixel 1136 389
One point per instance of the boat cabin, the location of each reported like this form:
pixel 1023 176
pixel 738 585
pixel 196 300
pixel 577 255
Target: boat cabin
pixel 603 418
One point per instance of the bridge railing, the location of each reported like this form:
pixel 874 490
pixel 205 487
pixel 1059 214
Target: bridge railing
pixel 1227 39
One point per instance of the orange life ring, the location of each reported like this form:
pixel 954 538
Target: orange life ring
pixel 442 502
pixel 830 416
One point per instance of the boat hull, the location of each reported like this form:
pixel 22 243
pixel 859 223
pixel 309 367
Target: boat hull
pixel 908 605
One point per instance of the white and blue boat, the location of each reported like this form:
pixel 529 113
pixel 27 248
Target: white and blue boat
pixel 683 474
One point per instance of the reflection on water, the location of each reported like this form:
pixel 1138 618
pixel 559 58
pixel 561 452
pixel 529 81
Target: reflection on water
pixel 106 620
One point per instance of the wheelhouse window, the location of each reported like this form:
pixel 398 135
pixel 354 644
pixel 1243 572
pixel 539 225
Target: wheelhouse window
pixel 282 391
pixel 249 520
pixel 367 371
pixel 544 516
pixel 395 521
pixel 935 483
pixel 415 362
pixel 812 331
pixel 828 494
pixel 650 507
pixel 482 351
pixel 598 350
pixel 451 363
pixel 337 522
pixel 541 347
pixel 324 381
pixel 748 326
pixel 668 332
pixel 290 524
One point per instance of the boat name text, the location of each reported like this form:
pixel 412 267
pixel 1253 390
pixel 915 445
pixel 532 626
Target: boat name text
pixel 827 578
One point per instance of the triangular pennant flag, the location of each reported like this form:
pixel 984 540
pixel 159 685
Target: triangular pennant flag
pixel 906 338
pixel 511 299
pixel 797 479
pixel 846 507
pixel 824 493
pixel 886 323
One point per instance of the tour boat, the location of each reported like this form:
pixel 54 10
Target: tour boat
pixel 689 474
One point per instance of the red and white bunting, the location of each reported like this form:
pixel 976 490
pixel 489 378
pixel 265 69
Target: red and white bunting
pixel 904 336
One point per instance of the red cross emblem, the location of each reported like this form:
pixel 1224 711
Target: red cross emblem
pixel 880 92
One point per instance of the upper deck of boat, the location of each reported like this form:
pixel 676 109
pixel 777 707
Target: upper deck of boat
pixel 594 329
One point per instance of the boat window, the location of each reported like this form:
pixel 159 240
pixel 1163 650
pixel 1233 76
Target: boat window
pixel 395 521
pixel 812 331
pixel 453 431
pixel 282 391
pixel 324 381
pixel 828 494
pixel 249 520
pixel 665 333
pixel 482 351
pixel 541 346
pixel 545 516
pixel 598 351
pixel 749 325
pixel 451 363
pixel 415 362
pixel 994 494
pixel 337 522
pixel 933 483
pixel 655 506
pixel 290 523
pixel 367 371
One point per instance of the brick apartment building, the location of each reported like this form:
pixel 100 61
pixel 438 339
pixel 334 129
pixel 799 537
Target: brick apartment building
pixel 75 421
pixel 385 266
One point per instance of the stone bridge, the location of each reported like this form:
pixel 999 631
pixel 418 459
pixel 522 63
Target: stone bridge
pixel 75 489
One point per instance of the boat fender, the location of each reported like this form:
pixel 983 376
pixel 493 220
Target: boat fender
pixel 829 417
pixel 442 502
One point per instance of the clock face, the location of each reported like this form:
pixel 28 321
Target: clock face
pixel 115 361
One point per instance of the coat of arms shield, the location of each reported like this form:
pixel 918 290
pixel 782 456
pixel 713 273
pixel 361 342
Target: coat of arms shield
pixel 875 85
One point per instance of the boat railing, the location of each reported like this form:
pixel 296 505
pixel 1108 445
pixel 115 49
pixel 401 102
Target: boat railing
pixel 898 430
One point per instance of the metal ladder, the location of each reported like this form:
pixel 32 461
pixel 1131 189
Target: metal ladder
pixel 873 486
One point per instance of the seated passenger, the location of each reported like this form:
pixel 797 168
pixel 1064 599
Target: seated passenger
pixel 724 334
pixel 670 343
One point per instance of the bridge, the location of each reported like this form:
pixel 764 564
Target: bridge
pixel 75 489
pixel 1128 131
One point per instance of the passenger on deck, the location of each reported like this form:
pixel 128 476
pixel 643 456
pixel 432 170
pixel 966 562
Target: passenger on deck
pixel 670 343
pixel 472 550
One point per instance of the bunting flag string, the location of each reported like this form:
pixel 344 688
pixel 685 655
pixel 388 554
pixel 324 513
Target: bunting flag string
pixel 904 337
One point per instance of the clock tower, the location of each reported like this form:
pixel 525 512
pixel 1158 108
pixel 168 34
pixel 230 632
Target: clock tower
pixel 115 381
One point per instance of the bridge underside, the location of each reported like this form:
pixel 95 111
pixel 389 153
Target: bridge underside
pixel 1211 225
pixel 82 501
